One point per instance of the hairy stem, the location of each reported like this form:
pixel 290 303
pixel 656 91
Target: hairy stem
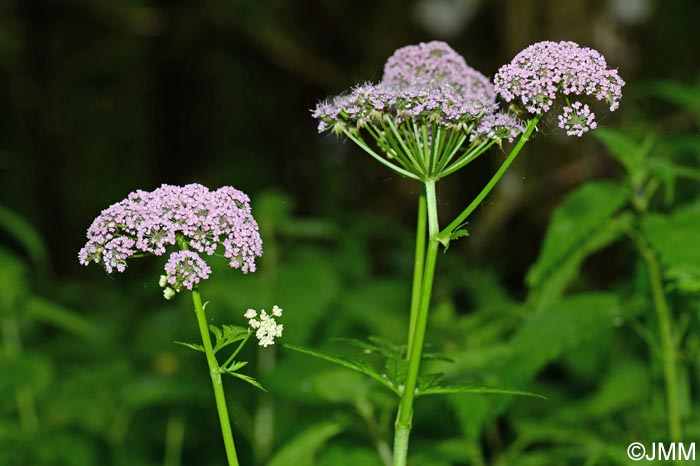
pixel 415 350
pixel 216 381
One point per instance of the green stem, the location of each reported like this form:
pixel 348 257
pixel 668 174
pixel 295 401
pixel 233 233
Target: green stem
pixel 408 152
pixel 444 236
pixel 668 346
pixel 415 350
pixel 378 157
pixel 417 270
pixel 468 158
pixel 215 373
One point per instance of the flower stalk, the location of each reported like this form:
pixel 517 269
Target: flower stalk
pixel 415 349
pixel 444 236
pixel 217 383
pixel 431 115
pixel 423 276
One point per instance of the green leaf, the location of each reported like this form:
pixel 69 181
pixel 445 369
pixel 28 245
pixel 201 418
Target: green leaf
pixel 245 378
pixel 473 388
pixel 193 346
pixel 627 151
pixel 557 328
pixel 389 348
pixel 675 238
pixel 227 335
pixel 426 382
pixel 461 233
pixel 553 287
pixel 375 345
pixel 301 450
pixel 433 356
pixel 584 213
pixel 396 370
pixel 235 365
pixel 216 331
pixel 359 366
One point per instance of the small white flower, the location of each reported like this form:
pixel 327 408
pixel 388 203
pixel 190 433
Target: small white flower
pixel 168 293
pixel 266 327
pixel 162 281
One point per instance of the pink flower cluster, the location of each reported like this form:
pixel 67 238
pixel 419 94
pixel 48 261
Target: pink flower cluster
pixel 435 63
pixel 427 84
pixel 185 269
pixel 204 221
pixel 577 119
pixel 546 70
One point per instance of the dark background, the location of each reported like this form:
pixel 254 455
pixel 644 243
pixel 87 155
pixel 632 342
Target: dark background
pixel 102 97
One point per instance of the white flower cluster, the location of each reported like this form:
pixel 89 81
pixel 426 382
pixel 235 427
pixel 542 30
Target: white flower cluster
pixel 265 325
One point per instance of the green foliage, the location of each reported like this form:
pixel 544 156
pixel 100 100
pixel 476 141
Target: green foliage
pixel 629 153
pixel 228 335
pixel 483 389
pixel 353 364
pixel 302 449
pixel 558 328
pixel 26 235
pixel 584 223
pixel 675 237
pixel 96 355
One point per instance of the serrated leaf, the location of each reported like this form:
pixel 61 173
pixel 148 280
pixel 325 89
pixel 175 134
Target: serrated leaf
pixel 227 335
pixel 474 388
pixel 300 451
pixel 235 365
pixel 359 366
pixel 391 349
pixel 428 381
pixel 461 233
pixel 193 346
pixel 396 370
pixel 245 378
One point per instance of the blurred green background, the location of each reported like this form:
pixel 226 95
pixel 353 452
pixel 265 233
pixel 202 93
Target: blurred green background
pixel 101 97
